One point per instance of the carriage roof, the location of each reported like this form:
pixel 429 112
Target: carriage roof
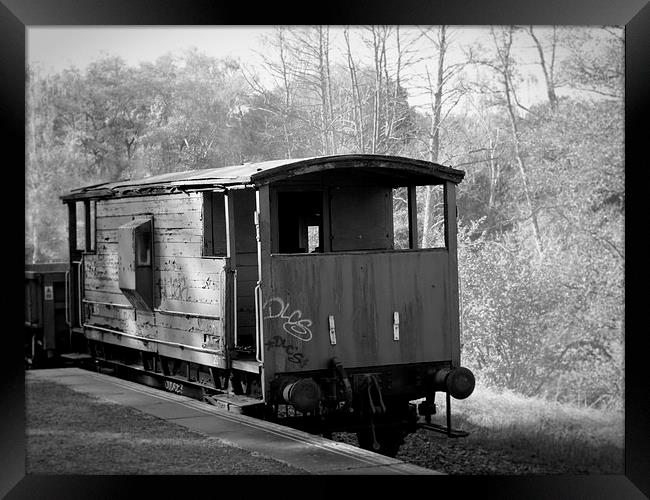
pixel 398 169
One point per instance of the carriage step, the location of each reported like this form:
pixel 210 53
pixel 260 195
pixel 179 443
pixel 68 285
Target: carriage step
pixel 76 356
pixel 234 403
pixel 444 430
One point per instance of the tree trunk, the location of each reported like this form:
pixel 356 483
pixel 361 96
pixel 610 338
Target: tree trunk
pixel 287 95
pixel 434 137
pixel 357 109
pixel 547 69
pixel 324 111
pixel 508 92
pixel 494 180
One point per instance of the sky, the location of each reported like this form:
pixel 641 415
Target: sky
pixel 53 49
pixel 56 48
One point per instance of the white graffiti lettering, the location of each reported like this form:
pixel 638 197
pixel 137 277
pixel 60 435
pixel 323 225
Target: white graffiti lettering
pixel 293 325
pixel 173 387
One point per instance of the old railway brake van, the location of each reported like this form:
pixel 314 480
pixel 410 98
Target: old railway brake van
pixel 299 282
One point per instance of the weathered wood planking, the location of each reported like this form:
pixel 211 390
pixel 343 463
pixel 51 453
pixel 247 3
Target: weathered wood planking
pixel 179 235
pixel 186 330
pixel 170 328
pixel 156 205
pixel 174 286
pixel 191 249
pixel 184 220
pixel 194 356
pixel 361 291
pixel 104 266
pixel 187 288
pixel 108 297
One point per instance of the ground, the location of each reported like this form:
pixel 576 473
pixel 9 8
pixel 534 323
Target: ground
pixel 72 433
pixel 512 434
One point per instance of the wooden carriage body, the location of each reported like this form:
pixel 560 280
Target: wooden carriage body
pixel 269 268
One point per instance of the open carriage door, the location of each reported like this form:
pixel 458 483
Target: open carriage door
pixel 242 278
pixel 81 238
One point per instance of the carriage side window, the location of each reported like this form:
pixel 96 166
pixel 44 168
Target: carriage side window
pixel 313 239
pixel 214 225
pixel 85 225
pixel 135 262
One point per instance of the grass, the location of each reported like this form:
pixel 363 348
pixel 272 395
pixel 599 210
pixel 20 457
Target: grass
pixel 575 440
pixel 73 433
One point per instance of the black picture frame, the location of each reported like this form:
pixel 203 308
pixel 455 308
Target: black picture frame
pixel 17 15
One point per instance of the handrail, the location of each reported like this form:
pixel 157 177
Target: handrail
pixel 258 323
pixel 79 289
pixel 67 299
pixel 111 304
pixel 156 341
pixel 191 315
pixel 234 301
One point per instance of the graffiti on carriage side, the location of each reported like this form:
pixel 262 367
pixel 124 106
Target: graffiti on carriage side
pixel 213 342
pixel 294 324
pixel 173 387
pixel 174 288
pixel 211 284
pixel 292 352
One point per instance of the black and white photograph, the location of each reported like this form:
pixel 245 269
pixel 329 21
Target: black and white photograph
pixel 325 249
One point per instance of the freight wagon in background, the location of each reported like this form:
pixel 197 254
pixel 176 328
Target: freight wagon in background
pixel 280 287
pixel 46 313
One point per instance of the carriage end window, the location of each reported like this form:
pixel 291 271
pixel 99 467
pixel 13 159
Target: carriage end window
pixel 300 226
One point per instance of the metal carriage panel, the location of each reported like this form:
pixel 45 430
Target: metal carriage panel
pixel 365 308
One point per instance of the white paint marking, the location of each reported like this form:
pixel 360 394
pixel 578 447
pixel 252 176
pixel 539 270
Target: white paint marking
pixel 395 325
pixel 332 330
pixel 293 324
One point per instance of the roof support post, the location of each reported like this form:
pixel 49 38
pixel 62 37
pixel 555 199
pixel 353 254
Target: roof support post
pixel 263 205
pixel 413 216
pixel 451 230
pixel 231 253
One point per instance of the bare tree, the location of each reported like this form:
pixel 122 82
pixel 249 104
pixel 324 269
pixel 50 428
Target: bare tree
pixel 311 47
pixel 357 105
pixel 503 65
pixel 440 93
pixel 547 60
